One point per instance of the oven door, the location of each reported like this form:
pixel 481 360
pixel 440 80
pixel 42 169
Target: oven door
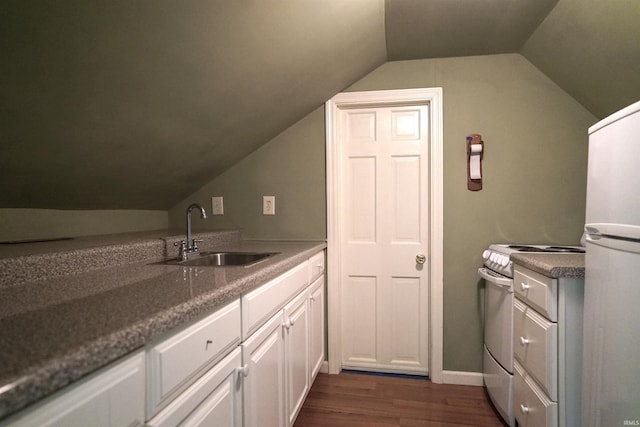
pixel 498 317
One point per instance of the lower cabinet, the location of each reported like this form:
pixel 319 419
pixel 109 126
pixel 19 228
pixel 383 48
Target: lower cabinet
pixel 214 399
pixel 316 326
pixel 264 386
pixel 547 342
pixel 296 353
pixel 282 358
pixel 111 398
pixel 210 373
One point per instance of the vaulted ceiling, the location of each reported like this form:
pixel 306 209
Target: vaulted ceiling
pixel 136 104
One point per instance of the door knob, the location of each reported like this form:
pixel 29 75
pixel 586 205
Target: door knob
pixel 420 258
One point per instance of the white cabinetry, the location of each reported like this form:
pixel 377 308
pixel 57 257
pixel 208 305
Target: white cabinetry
pixel 113 397
pixel 278 355
pixel 296 355
pixel 250 363
pixel 264 387
pixel 176 362
pixel 259 304
pixel 547 349
pixel 316 326
pixel 214 399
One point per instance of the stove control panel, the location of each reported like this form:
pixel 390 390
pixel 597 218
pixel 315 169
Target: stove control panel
pixel 500 263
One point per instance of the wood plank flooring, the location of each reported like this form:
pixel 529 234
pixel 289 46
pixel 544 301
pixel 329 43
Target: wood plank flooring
pixel 365 400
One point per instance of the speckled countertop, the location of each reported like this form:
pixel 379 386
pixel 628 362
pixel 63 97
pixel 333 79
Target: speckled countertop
pixel 555 265
pixel 55 330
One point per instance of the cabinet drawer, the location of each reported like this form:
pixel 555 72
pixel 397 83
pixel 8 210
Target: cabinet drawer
pixel 261 303
pixel 316 266
pixel 174 363
pixel 531 406
pixel 535 346
pixel 538 291
pixel 217 395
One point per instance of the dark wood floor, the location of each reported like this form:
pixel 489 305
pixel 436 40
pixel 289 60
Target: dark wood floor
pixel 363 400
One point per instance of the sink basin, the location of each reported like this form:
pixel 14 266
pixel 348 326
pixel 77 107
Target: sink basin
pixel 223 259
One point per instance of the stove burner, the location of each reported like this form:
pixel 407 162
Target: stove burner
pixel 553 249
pixel 522 248
pixel 564 249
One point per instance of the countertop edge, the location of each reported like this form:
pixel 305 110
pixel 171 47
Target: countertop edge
pixel 554 265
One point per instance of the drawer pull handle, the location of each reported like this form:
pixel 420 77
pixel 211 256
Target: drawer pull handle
pixel 243 371
pixel 524 341
pixel 524 286
pixel 524 409
pixel 288 323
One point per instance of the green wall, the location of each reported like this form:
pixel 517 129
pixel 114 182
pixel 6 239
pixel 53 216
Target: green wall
pixel 290 167
pixel 25 224
pixel 534 176
pixel 534 169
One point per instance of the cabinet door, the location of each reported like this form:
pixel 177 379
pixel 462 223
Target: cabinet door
pixel 223 407
pixel 217 395
pixel 296 337
pixel 316 326
pixel 111 398
pixel 264 387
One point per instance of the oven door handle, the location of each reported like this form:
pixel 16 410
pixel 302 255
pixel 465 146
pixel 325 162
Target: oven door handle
pixel 501 281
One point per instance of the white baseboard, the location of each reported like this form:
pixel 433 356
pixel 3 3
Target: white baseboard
pixel 448 377
pixel 462 378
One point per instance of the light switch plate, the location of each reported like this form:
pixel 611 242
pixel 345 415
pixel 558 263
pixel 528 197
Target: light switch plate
pixel 217 206
pixel 268 205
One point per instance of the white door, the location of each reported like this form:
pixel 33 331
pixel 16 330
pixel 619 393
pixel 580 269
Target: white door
pixel 385 226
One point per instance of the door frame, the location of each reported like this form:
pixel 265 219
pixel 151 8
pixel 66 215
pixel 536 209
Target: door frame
pixel 385 98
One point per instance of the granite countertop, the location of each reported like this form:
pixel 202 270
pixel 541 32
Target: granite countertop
pixel 555 265
pixel 54 331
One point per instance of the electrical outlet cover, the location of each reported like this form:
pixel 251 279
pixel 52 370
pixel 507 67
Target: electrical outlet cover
pixel 217 206
pixel 268 205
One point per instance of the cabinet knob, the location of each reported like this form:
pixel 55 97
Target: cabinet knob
pixel 288 323
pixel 524 409
pixel 420 258
pixel 524 286
pixel 312 298
pixel 524 341
pixel 243 371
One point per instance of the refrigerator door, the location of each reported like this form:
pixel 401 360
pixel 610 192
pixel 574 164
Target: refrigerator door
pixel 614 169
pixel 611 372
pixel 615 236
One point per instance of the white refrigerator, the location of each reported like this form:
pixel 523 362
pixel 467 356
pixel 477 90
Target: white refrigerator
pixel 611 360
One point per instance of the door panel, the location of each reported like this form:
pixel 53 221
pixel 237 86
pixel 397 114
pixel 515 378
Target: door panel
pixel 406 191
pixel 385 223
pixel 359 338
pixel 361 209
pixel 406 322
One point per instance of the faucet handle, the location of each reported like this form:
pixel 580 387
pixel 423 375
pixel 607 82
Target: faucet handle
pixel 182 250
pixel 195 244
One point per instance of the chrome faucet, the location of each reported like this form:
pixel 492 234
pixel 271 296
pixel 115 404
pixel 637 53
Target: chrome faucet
pixel 190 245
